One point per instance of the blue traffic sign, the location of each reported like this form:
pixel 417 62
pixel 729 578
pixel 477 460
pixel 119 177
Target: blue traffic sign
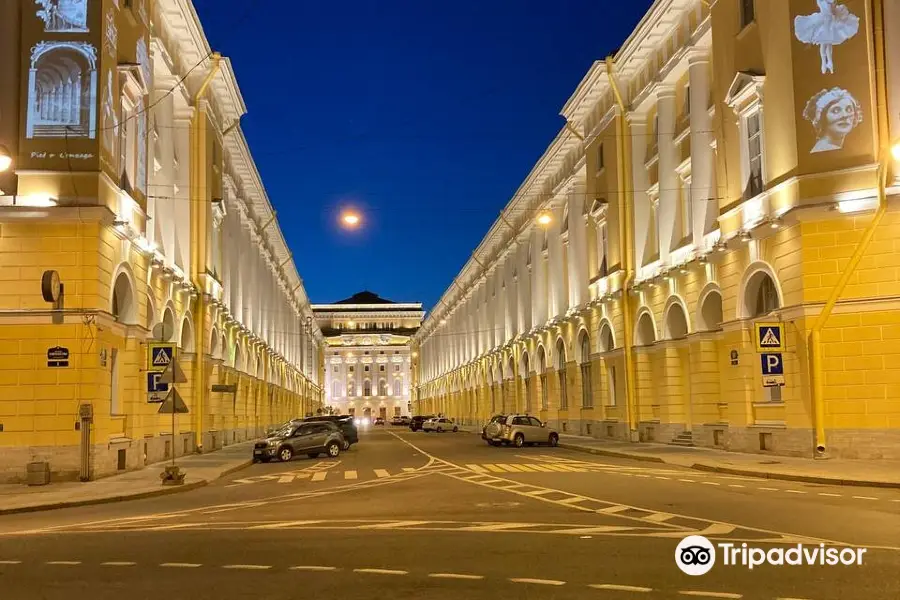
pixel 772 364
pixel 769 337
pixel 161 356
pixel 154 384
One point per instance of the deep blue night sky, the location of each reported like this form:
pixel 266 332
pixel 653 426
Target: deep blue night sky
pixel 426 115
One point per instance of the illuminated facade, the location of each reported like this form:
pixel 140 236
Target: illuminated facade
pixel 368 362
pixel 133 181
pixel 718 172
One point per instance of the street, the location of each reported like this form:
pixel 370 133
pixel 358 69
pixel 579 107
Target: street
pixel 446 516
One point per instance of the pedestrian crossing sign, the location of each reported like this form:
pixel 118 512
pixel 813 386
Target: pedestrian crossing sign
pixel 160 356
pixel 769 337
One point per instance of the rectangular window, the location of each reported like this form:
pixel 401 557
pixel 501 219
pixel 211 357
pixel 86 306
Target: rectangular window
pixel 352 368
pixel 654 226
pixel 334 369
pixel 545 398
pixel 611 384
pixel 748 12
pixel 587 392
pixel 396 368
pixel 754 155
pixel 655 133
pixel 563 392
pixel 115 400
pixel 600 163
pixel 687 212
pixel 687 102
pixel 603 240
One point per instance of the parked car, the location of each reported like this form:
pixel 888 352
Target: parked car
pixel 379 420
pixel 518 430
pixel 310 438
pixel 440 425
pixel 415 423
pixel 346 424
pixel 400 421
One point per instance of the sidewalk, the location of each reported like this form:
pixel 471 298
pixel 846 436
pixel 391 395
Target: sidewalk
pixel 201 469
pixel 872 473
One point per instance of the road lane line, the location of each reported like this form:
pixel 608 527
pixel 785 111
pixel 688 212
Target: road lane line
pixel 68 563
pixel 312 568
pixel 710 594
pixel 688 480
pixel 319 476
pixel 409 469
pixel 350 475
pixel 864 498
pixel 662 477
pixel 537 581
pixel 248 567
pixel 10 562
pixel 382 571
pixel 736 485
pixel 381 473
pixel 476 468
pixel 709 483
pixel 393 525
pixel 455 576
pixel 830 495
pixel 659 517
pixel 117 563
pixel 497 526
pixel 573 500
pixel 768 489
pixel 619 588
pixel 613 509
pixel 284 524
pixel 794 492
pixel 179 565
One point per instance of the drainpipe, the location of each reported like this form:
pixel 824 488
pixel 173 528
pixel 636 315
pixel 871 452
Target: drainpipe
pixel 626 243
pixel 199 202
pixel 815 336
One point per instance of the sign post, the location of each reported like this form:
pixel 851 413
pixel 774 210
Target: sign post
pixel 173 404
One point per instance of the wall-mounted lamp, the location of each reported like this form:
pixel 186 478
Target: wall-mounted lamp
pixel 6 158
pixel 745 236
pixel 776 222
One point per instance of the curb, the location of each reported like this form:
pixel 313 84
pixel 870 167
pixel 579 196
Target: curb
pixel 734 471
pixel 162 491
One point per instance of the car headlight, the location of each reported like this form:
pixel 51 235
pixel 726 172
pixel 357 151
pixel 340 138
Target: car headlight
pixel 273 442
pixel 366 421
pixel 356 421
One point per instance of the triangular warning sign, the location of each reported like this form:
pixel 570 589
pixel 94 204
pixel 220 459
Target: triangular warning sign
pixel 161 359
pixel 770 339
pixel 172 374
pixel 173 403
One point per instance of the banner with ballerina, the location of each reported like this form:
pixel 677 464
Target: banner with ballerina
pixel 831 84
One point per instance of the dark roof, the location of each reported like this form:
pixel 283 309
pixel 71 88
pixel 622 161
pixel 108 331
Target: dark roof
pixel 365 297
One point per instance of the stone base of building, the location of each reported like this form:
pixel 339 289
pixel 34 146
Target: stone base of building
pixel 116 456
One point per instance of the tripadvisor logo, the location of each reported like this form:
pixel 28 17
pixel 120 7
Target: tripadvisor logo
pixel 696 555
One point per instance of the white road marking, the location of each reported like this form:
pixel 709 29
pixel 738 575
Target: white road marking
pixel 312 568
pixel 620 588
pixel 865 498
pixel 613 509
pixel 285 479
pixel 454 576
pixel 659 517
pixel 382 571
pixel 284 524
pixel 573 500
pixel 736 485
pixel 768 489
pixel 662 477
pixel 790 599
pixel 116 563
pixel 409 469
pixel 10 562
pixel 496 526
pixel 350 475
pixel 527 468
pixel 794 492
pixel 710 594
pixel 476 468
pixel 511 468
pixel 63 562
pixel 494 468
pixel 537 581
pixel 248 567
pixel 830 495
pixel 381 473
pixel 709 483
pixel 319 476
pixel 394 525
pixel 687 480
pixel 179 565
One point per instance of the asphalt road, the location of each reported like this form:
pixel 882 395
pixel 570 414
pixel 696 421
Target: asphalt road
pixel 415 515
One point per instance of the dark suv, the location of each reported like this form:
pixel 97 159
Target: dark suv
pixel 416 422
pixel 311 439
pixel 345 422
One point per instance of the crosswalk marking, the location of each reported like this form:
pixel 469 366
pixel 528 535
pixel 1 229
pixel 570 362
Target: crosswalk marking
pixel 350 475
pixel 285 479
pixel 320 476
pixel 381 473
pixel 510 468
pixel 494 468
pixel 476 468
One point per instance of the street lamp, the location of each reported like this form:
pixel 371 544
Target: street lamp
pixel 544 219
pixel 5 159
pixel 895 151
pixel 350 219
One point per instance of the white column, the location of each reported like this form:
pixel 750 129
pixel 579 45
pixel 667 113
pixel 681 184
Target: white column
pixel 669 232
pixel 523 287
pixel 512 290
pixel 703 187
pixel 558 293
pixel 539 291
pixel 640 183
pixel 577 254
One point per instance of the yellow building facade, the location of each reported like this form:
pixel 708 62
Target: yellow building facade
pixel 725 175
pixel 132 181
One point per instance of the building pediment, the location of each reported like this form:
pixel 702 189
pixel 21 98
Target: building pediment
pixel 745 88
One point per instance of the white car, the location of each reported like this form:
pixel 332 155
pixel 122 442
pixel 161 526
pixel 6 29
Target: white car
pixel 439 425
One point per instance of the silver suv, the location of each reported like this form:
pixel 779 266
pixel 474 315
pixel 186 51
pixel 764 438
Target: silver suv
pixel 311 439
pixel 518 430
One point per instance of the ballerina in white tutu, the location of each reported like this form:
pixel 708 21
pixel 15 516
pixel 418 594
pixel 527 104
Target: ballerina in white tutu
pixel 834 24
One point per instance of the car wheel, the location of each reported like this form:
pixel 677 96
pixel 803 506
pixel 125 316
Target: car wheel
pixel 519 440
pixel 346 446
pixel 313 454
pixel 285 453
pixel 455 429
pixel 554 440
pixel 440 430
pixel 333 449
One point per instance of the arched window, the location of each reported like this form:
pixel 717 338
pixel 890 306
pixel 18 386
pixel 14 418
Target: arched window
pixel 187 336
pixel 123 300
pixel 168 325
pixel 710 317
pixel 523 371
pixel 382 387
pixel 607 343
pixel 760 296
pixel 646 332
pixel 351 388
pixel 587 390
pixel 676 323
pixel 367 388
pixel 561 374
pixel 398 388
pixel 542 370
